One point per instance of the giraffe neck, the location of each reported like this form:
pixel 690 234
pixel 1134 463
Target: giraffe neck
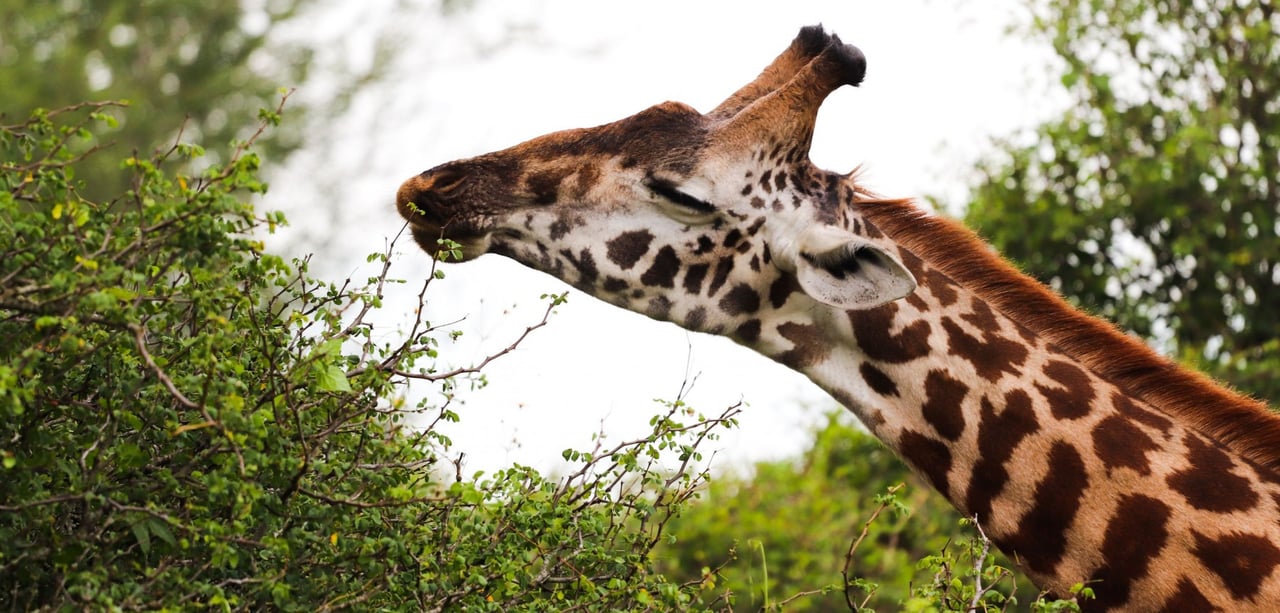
pixel 947 390
pixel 1068 474
pixel 1076 478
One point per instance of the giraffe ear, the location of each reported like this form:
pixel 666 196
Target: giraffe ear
pixel 844 270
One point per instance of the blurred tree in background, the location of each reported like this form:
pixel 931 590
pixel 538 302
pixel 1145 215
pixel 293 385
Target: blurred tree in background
pixel 210 62
pixel 214 63
pixel 1154 198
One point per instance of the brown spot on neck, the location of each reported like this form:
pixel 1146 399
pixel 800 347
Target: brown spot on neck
pixel 809 345
pixel 1041 539
pixel 1134 537
pixel 1208 483
pixel 877 380
pixel 1188 598
pixel 943 288
pixel 1120 444
pixel 931 457
pixel 980 316
pixel 998 436
pixel 1144 416
pixel 1074 399
pixel 943 396
pixel 992 356
pixel 871 329
pixel 1242 561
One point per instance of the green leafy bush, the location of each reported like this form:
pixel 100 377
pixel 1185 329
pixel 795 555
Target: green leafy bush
pixel 187 421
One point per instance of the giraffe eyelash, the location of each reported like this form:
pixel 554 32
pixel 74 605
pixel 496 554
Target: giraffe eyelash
pixel 668 190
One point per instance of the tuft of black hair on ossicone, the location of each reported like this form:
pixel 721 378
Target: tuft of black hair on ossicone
pixel 812 40
pixel 853 64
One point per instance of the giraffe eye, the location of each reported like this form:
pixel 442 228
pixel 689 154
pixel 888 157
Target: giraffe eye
pixel 668 191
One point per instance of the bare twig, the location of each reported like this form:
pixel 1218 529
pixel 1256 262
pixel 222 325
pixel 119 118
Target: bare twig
pixel 40 503
pixel 781 605
pixel 140 339
pixel 380 504
pixel 978 561
pixel 979 591
pixel 848 556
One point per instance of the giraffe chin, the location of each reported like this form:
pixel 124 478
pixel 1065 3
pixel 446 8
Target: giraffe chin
pixel 470 246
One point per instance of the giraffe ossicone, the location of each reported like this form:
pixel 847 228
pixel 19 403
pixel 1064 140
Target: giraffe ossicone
pixel 1085 456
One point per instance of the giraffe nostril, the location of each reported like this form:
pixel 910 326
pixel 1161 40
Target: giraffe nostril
pixel 443 180
pixel 427 197
pixel 413 198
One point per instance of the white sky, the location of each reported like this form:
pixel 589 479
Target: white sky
pixel 942 80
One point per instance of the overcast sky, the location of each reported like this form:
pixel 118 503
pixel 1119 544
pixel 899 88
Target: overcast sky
pixel 942 80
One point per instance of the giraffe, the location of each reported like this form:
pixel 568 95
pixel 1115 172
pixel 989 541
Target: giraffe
pixel 1086 456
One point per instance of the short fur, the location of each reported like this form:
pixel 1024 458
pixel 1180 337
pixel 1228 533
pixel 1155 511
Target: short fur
pixel 1239 422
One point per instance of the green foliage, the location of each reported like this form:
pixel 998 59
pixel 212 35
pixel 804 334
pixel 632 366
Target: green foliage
pixel 189 422
pixel 794 533
pixel 1155 200
pixel 965 577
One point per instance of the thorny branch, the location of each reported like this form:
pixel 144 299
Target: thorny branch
pixel 140 339
pixel 980 560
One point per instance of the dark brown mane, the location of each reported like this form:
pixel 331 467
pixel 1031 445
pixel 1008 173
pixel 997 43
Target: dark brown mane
pixel 1241 423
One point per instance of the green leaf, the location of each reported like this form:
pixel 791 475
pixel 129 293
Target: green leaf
pixel 160 529
pixel 142 535
pixel 329 348
pixel 130 456
pixel 331 378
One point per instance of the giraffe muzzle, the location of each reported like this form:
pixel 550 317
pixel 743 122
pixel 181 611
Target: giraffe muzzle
pixel 430 202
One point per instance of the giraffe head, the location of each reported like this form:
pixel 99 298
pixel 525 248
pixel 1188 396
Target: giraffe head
pixel 707 220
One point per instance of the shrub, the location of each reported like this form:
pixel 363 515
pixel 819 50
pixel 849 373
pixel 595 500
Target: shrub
pixel 187 421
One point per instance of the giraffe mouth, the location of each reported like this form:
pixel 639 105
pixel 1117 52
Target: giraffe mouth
pixel 440 242
pixel 435 222
pixel 453 239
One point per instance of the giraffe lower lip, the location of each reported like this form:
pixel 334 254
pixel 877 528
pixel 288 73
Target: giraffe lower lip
pixel 429 237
